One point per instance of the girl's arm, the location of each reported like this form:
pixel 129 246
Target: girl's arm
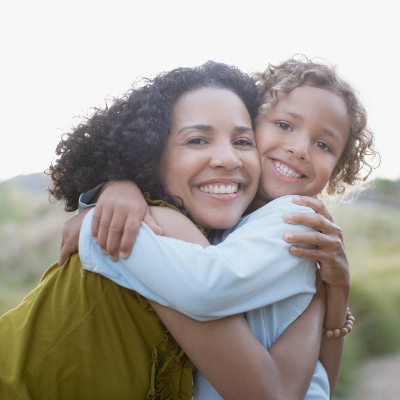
pixel 331 256
pixel 116 219
pixel 250 269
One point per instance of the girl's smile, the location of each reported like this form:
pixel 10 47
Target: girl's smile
pixel 211 148
pixel 301 139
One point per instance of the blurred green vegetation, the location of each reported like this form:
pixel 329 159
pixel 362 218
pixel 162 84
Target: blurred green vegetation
pixel 372 237
pixel 30 233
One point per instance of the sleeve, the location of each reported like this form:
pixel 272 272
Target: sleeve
pixel 86 198
pixel 319 387
pixel 251 268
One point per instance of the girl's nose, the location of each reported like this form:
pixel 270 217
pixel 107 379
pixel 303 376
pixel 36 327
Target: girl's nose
pixel 299 149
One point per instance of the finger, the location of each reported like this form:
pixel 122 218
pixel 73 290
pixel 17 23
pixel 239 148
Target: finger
pixel 311 220
pixel 314 238
pixel 317 205
pixel 115 232
pixel 96 218
pixel 152 223
pixel 324 257
pixel 104 225
pixel 129 237
pixel 312 254
pixel 65 253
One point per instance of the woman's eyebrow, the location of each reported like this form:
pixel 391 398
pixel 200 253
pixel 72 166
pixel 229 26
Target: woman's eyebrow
pixel 210 128
pixel 199 127
pixel 243 128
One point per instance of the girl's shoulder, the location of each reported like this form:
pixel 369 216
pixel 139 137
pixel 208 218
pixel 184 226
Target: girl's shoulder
pixel 279 206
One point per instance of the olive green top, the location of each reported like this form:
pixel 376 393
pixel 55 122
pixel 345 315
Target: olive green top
pixel 79 335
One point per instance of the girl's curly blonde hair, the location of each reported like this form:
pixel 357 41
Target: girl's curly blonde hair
pixel 357 161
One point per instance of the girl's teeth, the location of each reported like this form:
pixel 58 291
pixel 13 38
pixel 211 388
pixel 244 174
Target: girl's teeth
pixel 220 189
pixel 285 170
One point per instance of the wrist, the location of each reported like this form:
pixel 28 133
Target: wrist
pixel 340 290
pixel 337 298
pixel 337 332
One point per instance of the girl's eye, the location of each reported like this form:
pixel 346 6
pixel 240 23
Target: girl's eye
pixel 323 146
pixel 196 141
pixel 244 142
pixel 283 125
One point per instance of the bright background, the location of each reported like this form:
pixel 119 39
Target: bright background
pixel 61 58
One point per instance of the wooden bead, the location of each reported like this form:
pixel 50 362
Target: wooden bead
pixel 329 334
pixel 343 331
pixel 349 327
pixel 336 332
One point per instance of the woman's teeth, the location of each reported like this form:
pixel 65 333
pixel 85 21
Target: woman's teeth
pixel 286 171
pixel 220 189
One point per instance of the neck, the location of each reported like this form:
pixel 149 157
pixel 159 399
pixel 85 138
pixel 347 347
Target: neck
pixel 257 203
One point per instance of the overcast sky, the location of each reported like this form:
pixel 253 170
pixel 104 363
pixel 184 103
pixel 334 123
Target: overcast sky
pixel 61 58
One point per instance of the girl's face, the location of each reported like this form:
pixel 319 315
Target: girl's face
pixel 210 160
pixel 300 141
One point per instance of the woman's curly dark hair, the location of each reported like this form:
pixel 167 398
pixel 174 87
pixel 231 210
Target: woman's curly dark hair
pixel 360 156
pixel 126 140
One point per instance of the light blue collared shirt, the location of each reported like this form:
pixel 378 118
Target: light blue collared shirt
pixel 252 269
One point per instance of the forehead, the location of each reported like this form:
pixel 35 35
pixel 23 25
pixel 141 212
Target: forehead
pixel 209 103
pixel 318 106
pixel 310 95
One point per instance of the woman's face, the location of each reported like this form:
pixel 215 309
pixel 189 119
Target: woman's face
pixel 210 160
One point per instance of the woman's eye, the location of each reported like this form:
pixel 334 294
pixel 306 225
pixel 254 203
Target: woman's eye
pixel 196 141
pixel 283 125
pixel 244 142
pixel 323 146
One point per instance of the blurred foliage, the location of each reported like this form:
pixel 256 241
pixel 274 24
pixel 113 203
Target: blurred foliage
pixel 30 233
pixel 372 237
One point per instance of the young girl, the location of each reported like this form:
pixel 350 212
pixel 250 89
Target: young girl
pixel 79 335
pixel 311 132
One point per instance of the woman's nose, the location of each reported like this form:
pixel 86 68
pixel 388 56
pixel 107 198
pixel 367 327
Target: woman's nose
pixel 225 157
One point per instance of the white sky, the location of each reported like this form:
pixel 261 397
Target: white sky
pixel 60 58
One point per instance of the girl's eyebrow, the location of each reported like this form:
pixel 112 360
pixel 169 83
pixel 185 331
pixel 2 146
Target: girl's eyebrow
pixel 210 128
pixel 333 134
pixel 287 112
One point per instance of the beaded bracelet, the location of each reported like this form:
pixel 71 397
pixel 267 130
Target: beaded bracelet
pixel 348 326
